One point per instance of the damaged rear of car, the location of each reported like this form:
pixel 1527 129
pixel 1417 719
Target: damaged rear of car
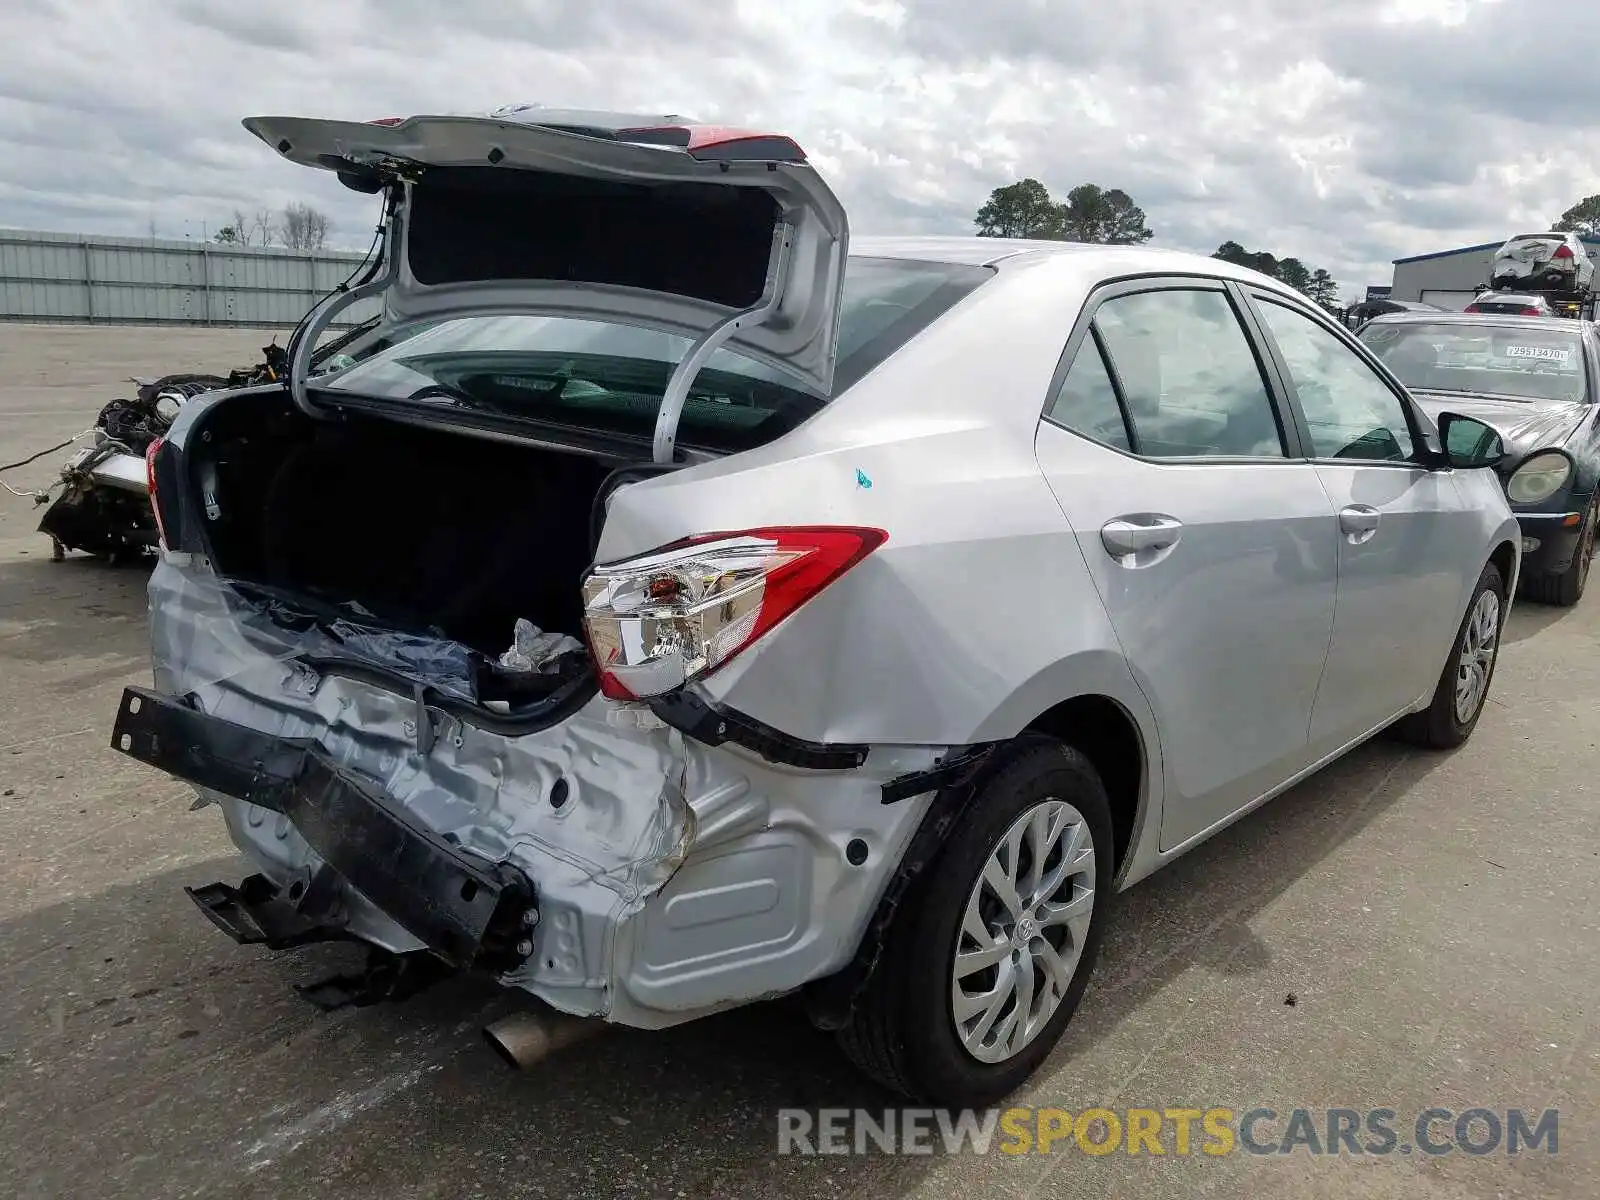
pixel 380 641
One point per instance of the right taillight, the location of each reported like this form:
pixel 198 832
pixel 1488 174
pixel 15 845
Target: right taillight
pixel 656 621
pixel 1564 252
pixel 150 483
pixel 1529 310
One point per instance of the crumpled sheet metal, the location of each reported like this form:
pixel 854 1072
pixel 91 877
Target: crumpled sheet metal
pixel 594 814
pixel 637 839
pixel 235 630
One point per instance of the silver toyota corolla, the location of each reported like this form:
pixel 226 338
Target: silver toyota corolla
pixel 690 606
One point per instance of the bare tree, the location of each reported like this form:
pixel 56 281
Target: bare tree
pixel 265 227
pixel 303 228
pixel 238 230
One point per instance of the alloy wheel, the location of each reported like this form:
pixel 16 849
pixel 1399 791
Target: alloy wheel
pixel 1023 931
pixel 1479 642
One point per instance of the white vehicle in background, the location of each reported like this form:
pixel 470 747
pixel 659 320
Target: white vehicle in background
pixel 1553 261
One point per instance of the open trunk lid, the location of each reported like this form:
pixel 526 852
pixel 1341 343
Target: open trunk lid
pixel 705 232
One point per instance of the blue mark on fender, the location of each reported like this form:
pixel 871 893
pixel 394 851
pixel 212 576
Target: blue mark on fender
pixel 862 480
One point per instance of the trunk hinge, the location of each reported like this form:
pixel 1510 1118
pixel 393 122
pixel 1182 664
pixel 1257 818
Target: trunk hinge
pixel 676 394
pixel 304 345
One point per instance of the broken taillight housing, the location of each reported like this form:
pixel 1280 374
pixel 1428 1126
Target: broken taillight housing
pixel 656 621
pixel 150 484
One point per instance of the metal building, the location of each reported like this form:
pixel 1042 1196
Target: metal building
pixel 1450 278
pixel 72 277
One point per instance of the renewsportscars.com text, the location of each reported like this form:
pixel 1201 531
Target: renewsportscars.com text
pixel 1179 1132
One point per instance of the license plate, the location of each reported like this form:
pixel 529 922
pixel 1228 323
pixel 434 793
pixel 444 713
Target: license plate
pixel 1548 353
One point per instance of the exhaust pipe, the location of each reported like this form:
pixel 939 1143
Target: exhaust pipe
pixel 526 1038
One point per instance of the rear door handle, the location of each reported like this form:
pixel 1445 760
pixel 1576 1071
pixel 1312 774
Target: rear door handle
pixel 1358 522
pixel 1145 531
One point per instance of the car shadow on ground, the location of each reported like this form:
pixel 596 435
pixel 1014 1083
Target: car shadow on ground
pixel 1529 619
pixel 133 1026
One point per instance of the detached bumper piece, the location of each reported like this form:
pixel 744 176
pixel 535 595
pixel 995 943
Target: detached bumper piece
pixel 256 914
pixel 468 912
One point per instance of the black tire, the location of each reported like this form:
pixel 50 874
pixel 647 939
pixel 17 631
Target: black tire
pixel 1438 726
pixel 903 1033
pixel 1566 589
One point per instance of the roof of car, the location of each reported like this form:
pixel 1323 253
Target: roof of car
pixel 987 251
pixel 973 251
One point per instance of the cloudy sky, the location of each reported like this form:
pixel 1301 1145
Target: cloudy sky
pixel 1345 132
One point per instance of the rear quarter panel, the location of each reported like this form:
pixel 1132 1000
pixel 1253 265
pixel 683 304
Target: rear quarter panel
pixel 978 613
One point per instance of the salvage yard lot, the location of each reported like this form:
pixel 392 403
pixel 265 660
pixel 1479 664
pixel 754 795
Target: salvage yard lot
pixel 1436 919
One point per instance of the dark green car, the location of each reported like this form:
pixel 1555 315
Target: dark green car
pixel 1536 380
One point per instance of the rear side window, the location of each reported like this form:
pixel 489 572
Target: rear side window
pixel 1087 400
pixel 1190 382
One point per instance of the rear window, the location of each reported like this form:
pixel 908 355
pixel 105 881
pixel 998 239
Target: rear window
pixel 1520 361
pixel 605 377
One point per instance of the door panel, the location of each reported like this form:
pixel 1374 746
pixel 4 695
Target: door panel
pixel 1404 532
pixel 1224 613
pixel 1215 555
pixel 1399 591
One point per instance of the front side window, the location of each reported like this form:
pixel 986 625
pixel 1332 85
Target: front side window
pixel 1190 381
pixel 1351 411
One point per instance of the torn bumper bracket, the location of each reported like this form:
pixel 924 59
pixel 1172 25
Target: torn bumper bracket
pixel 468 911
pixel 831 1001
pixel 712 725
pixel 952 768
pixel 256 914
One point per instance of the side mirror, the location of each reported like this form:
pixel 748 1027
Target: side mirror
pixel 1469 443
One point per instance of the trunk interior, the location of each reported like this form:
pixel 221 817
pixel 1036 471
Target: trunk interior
pixel 397 527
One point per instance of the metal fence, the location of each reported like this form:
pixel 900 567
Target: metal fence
pixel 73 278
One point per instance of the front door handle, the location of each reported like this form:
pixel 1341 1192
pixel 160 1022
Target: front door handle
pixel 1142 532
pixel 1359 522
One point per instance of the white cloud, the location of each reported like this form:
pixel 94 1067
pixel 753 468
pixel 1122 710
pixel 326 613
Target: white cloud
pixel 1345 133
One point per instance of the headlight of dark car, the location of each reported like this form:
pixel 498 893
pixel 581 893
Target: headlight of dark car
pixel 1540 477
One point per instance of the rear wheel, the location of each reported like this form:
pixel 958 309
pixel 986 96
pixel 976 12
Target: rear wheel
pixel 1464 684
pixel 983 971
pixel 1566 589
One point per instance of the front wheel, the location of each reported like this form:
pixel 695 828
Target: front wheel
pixel 983 971
pixel 1463 686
